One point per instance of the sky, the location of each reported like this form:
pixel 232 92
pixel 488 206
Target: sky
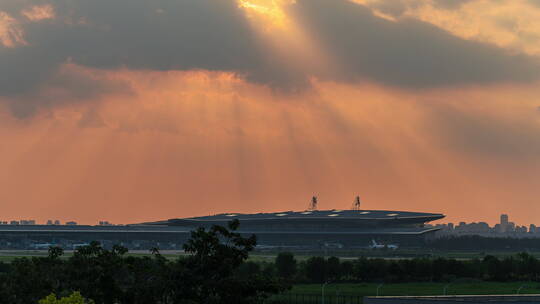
pixel 137 110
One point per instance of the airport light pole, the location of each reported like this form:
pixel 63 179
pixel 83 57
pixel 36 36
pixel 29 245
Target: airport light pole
pixel 446 288
pixel 322 291
pixel 521 287
pixel 379 287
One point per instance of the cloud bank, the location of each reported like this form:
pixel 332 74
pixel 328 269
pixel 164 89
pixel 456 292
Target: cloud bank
pixel 214 35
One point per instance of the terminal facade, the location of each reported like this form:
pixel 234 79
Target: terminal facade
pixel 289 229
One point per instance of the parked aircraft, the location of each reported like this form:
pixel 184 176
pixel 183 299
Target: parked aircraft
pixel 375 245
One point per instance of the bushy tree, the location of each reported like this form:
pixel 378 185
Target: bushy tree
pixel 315 269
pixel 333 268
pixel 208 273
pixel 285 265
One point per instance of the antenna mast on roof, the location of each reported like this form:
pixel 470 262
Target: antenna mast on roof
pixel 313 204
pixel 356 205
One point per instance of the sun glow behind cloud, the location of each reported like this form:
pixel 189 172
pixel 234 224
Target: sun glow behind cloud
pixel 11 33
pixel 271 10
pixel 11 28
pixel 39 12
pixel 279 31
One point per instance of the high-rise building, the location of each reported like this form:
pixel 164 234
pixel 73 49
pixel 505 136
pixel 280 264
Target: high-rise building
pixel 504 223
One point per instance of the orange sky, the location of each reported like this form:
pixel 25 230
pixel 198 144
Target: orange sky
pixel 139 144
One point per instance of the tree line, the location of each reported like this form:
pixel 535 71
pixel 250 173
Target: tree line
pixel 216 270
pixel 521 267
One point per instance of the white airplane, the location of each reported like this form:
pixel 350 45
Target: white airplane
pixel 333 245
pixel 42 246
pixel 375 245
pixel 75 246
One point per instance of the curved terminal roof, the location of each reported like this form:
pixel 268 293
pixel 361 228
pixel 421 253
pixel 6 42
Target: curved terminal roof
pixel 366 214
pixel 320 214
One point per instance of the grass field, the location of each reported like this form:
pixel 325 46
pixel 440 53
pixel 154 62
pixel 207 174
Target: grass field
pixel 269 256
pixel 9 255
pixel 344 293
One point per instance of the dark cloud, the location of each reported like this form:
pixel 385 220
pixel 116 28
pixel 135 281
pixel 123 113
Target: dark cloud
pixel 408 53
pixel 193 34
pixel 63 85
pixel 535 2
pixel 392 8
pixel 450 4
pixel 215 35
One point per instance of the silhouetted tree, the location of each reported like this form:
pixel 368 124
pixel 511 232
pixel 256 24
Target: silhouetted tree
pixel 315 269
pixel 286 265
pixel 333 268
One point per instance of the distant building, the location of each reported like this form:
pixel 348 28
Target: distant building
pixel 14 223
pixel 71 223
pixel 311 228
pixel 56 222
pixel 504 223
pixel 49 222
pixel 503 229
pixel 511 227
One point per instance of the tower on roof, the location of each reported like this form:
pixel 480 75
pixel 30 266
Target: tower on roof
pixel 356 204
pixel 313 204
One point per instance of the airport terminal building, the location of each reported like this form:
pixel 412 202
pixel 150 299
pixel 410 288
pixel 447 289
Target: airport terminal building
pixel 347 228
pixel 302 229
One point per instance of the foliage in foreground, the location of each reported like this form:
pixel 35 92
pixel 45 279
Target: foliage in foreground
pixel 74 298
pixel 208 275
